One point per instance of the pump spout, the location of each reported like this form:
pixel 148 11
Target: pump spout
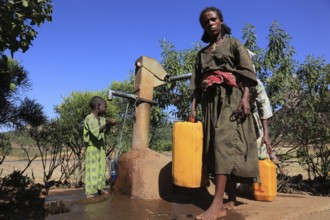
pixel 112 93
pixel 169 78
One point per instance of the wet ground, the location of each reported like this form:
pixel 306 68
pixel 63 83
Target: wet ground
pixel 114 206
pixel 182 206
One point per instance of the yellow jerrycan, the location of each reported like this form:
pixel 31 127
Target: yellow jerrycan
pixel 187 154
pixel 266 189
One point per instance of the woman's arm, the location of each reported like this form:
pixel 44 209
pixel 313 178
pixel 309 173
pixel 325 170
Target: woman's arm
pixel 244 105
pixel 194 104
pixel 265 138
pixel 246 76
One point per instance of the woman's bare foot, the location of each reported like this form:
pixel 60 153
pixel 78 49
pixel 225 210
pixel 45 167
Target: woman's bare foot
pixel 212 213
pixel 229 205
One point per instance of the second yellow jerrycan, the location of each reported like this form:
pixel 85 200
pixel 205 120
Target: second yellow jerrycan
pixel 266 190
pixel 187 154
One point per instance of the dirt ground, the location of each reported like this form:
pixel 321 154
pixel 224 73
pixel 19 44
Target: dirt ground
pixel 34 171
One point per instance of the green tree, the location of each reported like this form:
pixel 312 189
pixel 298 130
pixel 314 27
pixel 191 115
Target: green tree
pixel 300 95
pixel 176 96
pixel 123 137
pixel 250 39
pixel 311 130
pixel 18 19
pixel 15 111
pixel 50 145
pixel 5 147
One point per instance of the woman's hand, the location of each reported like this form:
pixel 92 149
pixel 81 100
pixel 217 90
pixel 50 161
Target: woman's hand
pixel 266 140
pixel 192 116
pixel 244 105
pixel 204 84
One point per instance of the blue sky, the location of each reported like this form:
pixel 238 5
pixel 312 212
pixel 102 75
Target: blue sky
pixel 91 43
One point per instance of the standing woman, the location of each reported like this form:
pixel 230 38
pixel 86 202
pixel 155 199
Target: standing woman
pixel 221 82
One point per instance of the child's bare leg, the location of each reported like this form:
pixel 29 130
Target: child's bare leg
pixel 230 188
pixel 216 209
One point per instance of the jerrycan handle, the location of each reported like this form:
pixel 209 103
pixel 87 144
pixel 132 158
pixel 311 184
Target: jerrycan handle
pixel 260 187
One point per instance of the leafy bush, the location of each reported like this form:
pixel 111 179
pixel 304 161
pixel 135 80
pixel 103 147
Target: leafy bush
pixel 16 179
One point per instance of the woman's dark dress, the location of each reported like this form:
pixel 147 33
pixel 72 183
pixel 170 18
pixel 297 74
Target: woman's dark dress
pixel 229 147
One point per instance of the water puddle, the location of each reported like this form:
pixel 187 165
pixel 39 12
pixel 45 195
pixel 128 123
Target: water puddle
pixel 73 205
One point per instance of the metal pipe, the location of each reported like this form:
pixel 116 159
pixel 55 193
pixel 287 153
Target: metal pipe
pixel 112 93
pixel 169 78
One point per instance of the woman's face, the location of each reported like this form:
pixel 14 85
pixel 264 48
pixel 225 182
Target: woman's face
pixel 211 23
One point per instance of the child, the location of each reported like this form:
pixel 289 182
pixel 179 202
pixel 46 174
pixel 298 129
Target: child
pixel 95 127
pixel 261 111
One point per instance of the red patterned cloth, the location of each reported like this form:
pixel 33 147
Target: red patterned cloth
pixel 218 77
